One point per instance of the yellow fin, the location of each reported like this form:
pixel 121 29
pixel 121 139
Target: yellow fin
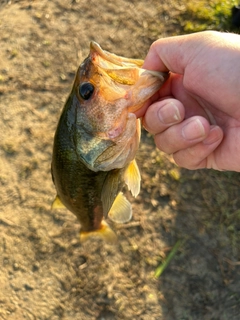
pixel 132 178
pixel 105 233
pixel 57 204
pixel 121 210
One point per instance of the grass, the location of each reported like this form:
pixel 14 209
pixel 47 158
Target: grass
pixel 207 15
pixel 160 269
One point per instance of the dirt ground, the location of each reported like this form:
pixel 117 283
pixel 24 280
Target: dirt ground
pixel 45 272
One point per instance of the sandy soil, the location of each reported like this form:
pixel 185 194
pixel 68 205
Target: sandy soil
pixel 45 272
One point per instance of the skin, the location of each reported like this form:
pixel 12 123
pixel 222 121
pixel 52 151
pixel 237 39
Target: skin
pixel 98 135
pixel 195 116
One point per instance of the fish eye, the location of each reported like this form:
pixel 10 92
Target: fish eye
pixel 86 90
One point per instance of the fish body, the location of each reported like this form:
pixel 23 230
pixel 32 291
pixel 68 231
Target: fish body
pixel 97 138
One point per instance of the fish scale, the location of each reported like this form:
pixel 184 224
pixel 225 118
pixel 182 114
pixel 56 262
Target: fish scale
pixel 97 138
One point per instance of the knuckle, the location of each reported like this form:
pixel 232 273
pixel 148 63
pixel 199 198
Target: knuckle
pixel 163 144
pixel 190 158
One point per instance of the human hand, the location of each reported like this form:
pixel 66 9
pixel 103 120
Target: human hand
pixel 196 115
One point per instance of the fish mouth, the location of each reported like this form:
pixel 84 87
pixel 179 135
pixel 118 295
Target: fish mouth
pixel 126 77
pixel 108 58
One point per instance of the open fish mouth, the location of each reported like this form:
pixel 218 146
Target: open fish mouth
pixel 107 58
pixel 126 72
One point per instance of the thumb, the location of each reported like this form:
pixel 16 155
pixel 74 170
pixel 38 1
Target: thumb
pixel 174 53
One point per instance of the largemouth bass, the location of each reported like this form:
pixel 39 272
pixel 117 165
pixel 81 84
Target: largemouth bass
pixel 97 138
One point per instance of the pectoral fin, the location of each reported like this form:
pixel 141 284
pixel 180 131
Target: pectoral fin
pixel 121 210
pixel 57 203
pixel 132 178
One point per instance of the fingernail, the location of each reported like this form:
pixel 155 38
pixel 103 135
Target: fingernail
pixel 214 135
pixel 193 130
pixel 169 113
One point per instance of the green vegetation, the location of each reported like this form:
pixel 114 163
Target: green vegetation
pixel 166 262
pixel 207 15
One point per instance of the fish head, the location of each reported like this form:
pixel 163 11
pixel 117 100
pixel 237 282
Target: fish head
pixel 107 90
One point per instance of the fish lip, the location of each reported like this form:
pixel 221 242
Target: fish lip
pixel 95 48
pixel 117 60
pixel 161 75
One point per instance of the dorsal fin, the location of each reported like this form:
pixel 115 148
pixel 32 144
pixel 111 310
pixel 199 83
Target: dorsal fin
pixel 57 203
pixel 121 210
pixel 132 178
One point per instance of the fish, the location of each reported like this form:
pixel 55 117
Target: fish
pixel 97 138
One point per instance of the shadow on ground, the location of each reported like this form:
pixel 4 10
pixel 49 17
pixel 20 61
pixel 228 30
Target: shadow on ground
pixel 45 272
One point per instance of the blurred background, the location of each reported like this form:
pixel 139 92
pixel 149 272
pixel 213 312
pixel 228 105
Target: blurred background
pixel 190 217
